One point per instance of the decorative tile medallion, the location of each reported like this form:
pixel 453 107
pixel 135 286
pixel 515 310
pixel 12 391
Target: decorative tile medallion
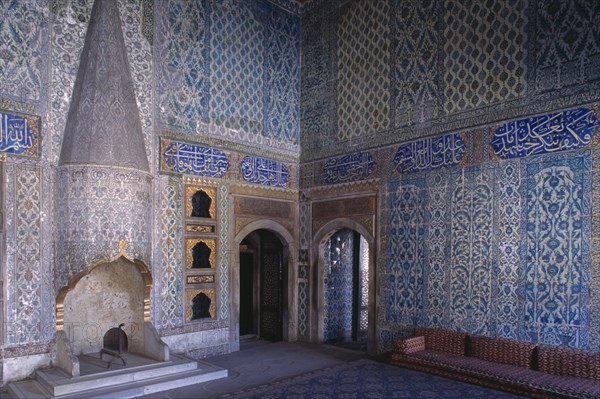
pixel 264 171
pixel 430 153
pixel 194 159
pixel 19 134
pixel 559 131
pixel 348 168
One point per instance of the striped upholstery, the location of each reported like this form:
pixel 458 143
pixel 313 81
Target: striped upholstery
pixel 504 364
pixel 448 341
pixel 501 350
pixel 569 362
pixel 409 345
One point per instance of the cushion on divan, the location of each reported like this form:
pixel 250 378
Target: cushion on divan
pixel 572 387
pixel 502 350
pixel 569 362
pixel 409 345
pixel 443 340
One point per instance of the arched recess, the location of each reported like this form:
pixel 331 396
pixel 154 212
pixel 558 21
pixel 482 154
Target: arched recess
pixel 124 275
pixel 290 292
pixel 316 257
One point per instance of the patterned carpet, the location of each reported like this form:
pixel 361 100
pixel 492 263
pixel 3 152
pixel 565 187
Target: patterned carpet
pixel 367 379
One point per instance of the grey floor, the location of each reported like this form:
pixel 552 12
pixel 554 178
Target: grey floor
pixel 260 362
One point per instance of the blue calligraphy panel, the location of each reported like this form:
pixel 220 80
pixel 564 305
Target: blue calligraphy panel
pixel 264 171
pixel 559 131
pixel 19 134
pixel 348 168
pixel 429 154
pixel 180 157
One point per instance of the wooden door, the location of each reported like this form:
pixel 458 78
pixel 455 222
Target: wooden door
pixel 271 294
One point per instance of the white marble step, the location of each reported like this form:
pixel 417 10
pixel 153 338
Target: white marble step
pixel 124 383
pixel 58 382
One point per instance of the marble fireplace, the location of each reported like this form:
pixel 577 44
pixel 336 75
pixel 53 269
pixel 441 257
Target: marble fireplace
pixel 103 202
pixel 102 297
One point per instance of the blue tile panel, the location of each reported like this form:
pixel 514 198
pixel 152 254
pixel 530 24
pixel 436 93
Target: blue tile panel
pixel 19 134
pixel 193 159
pixel 349 168
pixel 555 248
pixel 431 153
pixel 230 64
pixel 25 31
pixel 183 52
pixel 559 131
pixel 264 171
pixel 237 46
pixel 471 279
pixel 406 251
pixel 501 249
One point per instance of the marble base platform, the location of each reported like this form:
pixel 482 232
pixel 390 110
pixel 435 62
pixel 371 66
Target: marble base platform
pixel 140 377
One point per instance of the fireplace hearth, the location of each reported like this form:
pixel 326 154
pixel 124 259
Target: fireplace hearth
pixel 115 344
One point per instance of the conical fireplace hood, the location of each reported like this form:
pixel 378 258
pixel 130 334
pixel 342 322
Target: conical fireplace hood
pixel 103 126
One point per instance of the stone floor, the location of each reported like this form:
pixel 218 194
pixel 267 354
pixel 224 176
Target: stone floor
pixel 260 362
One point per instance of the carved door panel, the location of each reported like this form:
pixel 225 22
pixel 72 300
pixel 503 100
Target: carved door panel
pixel 247 315
pixel 271 294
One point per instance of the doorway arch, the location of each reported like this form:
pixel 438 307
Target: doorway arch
pixel 319 242
pixel 290 295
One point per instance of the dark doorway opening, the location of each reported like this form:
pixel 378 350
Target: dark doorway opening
pixel 261 286
pixel 247 326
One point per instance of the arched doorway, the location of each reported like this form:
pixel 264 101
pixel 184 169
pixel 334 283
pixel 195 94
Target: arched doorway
pixel 262 277
pixel 346 289
pixel 362 250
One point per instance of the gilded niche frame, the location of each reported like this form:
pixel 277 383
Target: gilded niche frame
pixel 190 294
pixel 200 229
pixel 190 243
pixel 190 191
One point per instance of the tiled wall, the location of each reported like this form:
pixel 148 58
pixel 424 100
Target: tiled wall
pixel 373 75
pixel 486 245
pixel 216 76
pixel 376 73
pixel 230 70
pixel 480 123
pixel 498 249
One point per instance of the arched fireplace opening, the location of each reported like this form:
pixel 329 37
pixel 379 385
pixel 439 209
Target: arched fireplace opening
pixel 104 296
